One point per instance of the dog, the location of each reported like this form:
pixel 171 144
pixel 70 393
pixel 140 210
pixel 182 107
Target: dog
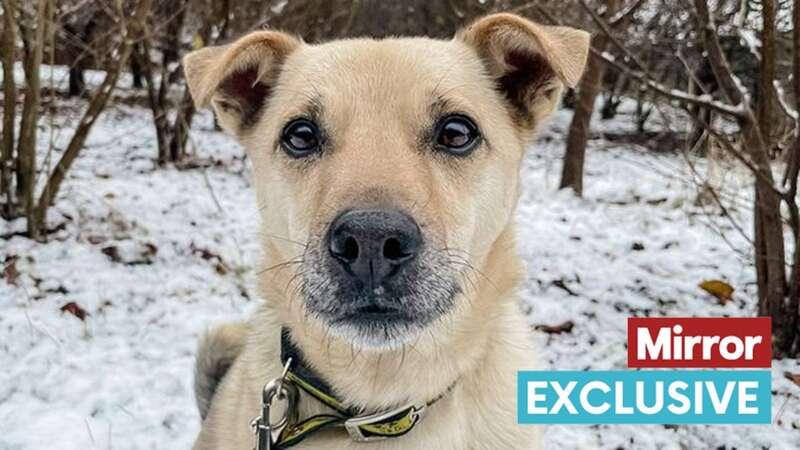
pixel 387 177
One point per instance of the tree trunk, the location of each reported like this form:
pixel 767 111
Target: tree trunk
pixel 186 109
pixel 34 35
pixel 770 263
pixel 136 70
pixel 180 130
pixel 792 340
pixel 156 97
pixel 614 97
pixel 767 72
pixel 769 244
pixel 96 105
pixel 792 321
pixel 78 32
pixel 77 84
pixel 769 251
pixel 578 135
pixel 7 160
pixel 174 32
pixel 768 248
pixel 704 82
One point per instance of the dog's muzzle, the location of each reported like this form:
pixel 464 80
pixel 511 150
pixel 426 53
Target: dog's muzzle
pixel 375 279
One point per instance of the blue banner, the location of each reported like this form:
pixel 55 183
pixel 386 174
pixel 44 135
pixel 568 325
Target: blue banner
pixel 644 397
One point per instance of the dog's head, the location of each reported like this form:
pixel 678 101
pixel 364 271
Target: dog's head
pixel 386 170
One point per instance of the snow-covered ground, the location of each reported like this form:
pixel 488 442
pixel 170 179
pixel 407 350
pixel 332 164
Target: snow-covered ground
pixel 156 256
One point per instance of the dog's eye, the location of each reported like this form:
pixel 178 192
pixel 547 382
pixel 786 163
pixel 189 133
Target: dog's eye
pixel 457 135
pixel 300 138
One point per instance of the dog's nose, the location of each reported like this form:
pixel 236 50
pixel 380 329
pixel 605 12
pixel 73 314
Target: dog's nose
pixel 372 244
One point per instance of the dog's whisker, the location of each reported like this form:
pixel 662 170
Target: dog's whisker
pixel 296 260
pixel 282 238
pixel 402 357
pixel 377 371
pixel 463 261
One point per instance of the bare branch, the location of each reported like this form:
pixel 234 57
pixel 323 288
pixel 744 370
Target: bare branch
pixel 730 85
pixel 625 14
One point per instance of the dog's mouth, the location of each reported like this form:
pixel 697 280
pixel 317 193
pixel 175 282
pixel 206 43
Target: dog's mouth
pixel 404 309
pixel 376 322
pixel 377 311
pixel 373 314
pixel 376 328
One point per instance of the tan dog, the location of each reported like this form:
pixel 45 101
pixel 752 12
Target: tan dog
pixel 387 175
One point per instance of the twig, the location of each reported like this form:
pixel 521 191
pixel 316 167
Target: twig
pixel 644 77
pixel 624 15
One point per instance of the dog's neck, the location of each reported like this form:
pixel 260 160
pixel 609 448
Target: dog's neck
pixel 424 369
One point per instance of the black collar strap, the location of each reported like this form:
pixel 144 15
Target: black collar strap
pixel 361 428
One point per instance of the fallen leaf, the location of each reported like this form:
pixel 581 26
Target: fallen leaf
pixel 197 41
pixel 565 327
pixel 95 239
pixel 112 251
pixel 204 253
pixel 75 310
pixel 219 265
pixel 220 269
pixel 150 250
pixel 793 377
pixel 719 289
pixel 10 272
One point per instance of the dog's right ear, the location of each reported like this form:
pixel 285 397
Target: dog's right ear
pixel 529 62
pixel 237 79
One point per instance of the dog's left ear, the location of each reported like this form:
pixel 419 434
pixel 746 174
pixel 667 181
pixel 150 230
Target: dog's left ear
pixel 530 62
pixel 237 79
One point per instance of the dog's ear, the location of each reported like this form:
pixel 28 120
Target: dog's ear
pixel 530 62
pixel 237 78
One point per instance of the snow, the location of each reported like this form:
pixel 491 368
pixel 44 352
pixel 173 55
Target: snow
pixel 156 256
pixel 278 7
pixel 750 40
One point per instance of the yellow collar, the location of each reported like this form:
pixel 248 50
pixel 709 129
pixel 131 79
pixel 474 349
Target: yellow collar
pixel 361 428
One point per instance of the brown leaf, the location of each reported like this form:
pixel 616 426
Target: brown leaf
pixel 10 272
pixel 112 251
pixel 96 239
pixel 75 310
pixel 565 327
pixel 205 253
pixel 793 377
pixel 719 289
pixel 220 268
pixel 150 250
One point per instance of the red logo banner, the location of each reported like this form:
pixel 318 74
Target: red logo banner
pixel 699 342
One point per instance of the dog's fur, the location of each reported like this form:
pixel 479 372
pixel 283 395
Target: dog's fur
pixel 378 100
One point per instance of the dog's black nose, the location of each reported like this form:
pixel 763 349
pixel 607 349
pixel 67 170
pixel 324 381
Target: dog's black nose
pixel 372 244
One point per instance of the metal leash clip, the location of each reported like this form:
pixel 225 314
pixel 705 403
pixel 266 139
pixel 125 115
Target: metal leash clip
pixel 267 432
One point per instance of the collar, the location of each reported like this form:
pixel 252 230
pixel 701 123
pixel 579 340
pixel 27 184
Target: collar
pixel 361 428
